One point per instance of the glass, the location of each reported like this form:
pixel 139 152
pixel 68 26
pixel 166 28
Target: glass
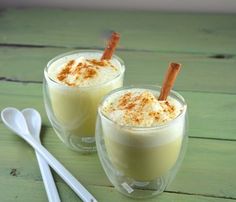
pixel 72 110
pixel 141 161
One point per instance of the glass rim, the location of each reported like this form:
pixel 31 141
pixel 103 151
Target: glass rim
pixel 50 62
pixel 147 87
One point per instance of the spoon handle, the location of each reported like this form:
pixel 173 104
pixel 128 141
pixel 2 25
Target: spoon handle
pixel 75 185
pixel 48 180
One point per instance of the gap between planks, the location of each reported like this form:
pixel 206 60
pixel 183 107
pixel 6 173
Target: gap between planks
pixel 41 82
pixel 205 195
pixel 182 193
pixel 211 55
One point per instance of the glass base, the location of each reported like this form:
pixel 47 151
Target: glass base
pixel 80 144
pixel 140 189
pixel 127 185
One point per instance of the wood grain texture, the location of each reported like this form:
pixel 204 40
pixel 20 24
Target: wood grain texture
pixel 139 30
pixel 103 194
pixel 199 71
pixel 213 118
pixel 204 166
pixel 203 43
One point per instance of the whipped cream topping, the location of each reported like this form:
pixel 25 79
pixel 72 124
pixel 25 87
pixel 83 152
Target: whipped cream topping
pixel 84 70
pixel 140 107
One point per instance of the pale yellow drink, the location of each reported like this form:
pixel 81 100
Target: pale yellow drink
pixel 74 85
pixel 143 137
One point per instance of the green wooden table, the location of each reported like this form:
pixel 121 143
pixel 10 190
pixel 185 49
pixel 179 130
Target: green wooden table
pixel 206 46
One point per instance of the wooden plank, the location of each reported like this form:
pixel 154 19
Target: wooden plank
pixel 208 168
pixel 14 190
pixel 199 73
pixel 211 115
pixel 209 33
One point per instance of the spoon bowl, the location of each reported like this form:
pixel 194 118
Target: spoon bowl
pixel 15 121
pixel 34 122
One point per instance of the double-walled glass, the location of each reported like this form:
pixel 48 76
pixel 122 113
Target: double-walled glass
pixel 141 161
pixel 72 110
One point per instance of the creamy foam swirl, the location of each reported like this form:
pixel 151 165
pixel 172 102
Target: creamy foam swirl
pixel 140 107
pixel 84 70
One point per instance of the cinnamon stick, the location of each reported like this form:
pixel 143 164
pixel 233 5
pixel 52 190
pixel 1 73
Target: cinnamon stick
pixel 169 80
pixel 111 46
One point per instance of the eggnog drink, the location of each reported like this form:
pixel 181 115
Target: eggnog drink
pixel 74 85
pixel 142 134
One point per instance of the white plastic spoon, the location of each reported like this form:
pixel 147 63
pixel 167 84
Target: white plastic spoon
pixel 15 121
pixel 34 122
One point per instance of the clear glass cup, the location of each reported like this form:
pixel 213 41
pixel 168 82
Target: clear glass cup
pixel 72 110
pixel 141 161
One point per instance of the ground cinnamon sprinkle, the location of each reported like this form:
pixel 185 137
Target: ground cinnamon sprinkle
pixel 133 105
pixel 170 107
pixel 141 109
pixel 144 101
pixel 98 62
pixel 137 120
pixel 63 74
pixel 124 100
pixel 130 106
pixel 87 69
pixel 90 73
pixel 101 63
pixel 61 77
pixel 70 63
pixel 155 115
